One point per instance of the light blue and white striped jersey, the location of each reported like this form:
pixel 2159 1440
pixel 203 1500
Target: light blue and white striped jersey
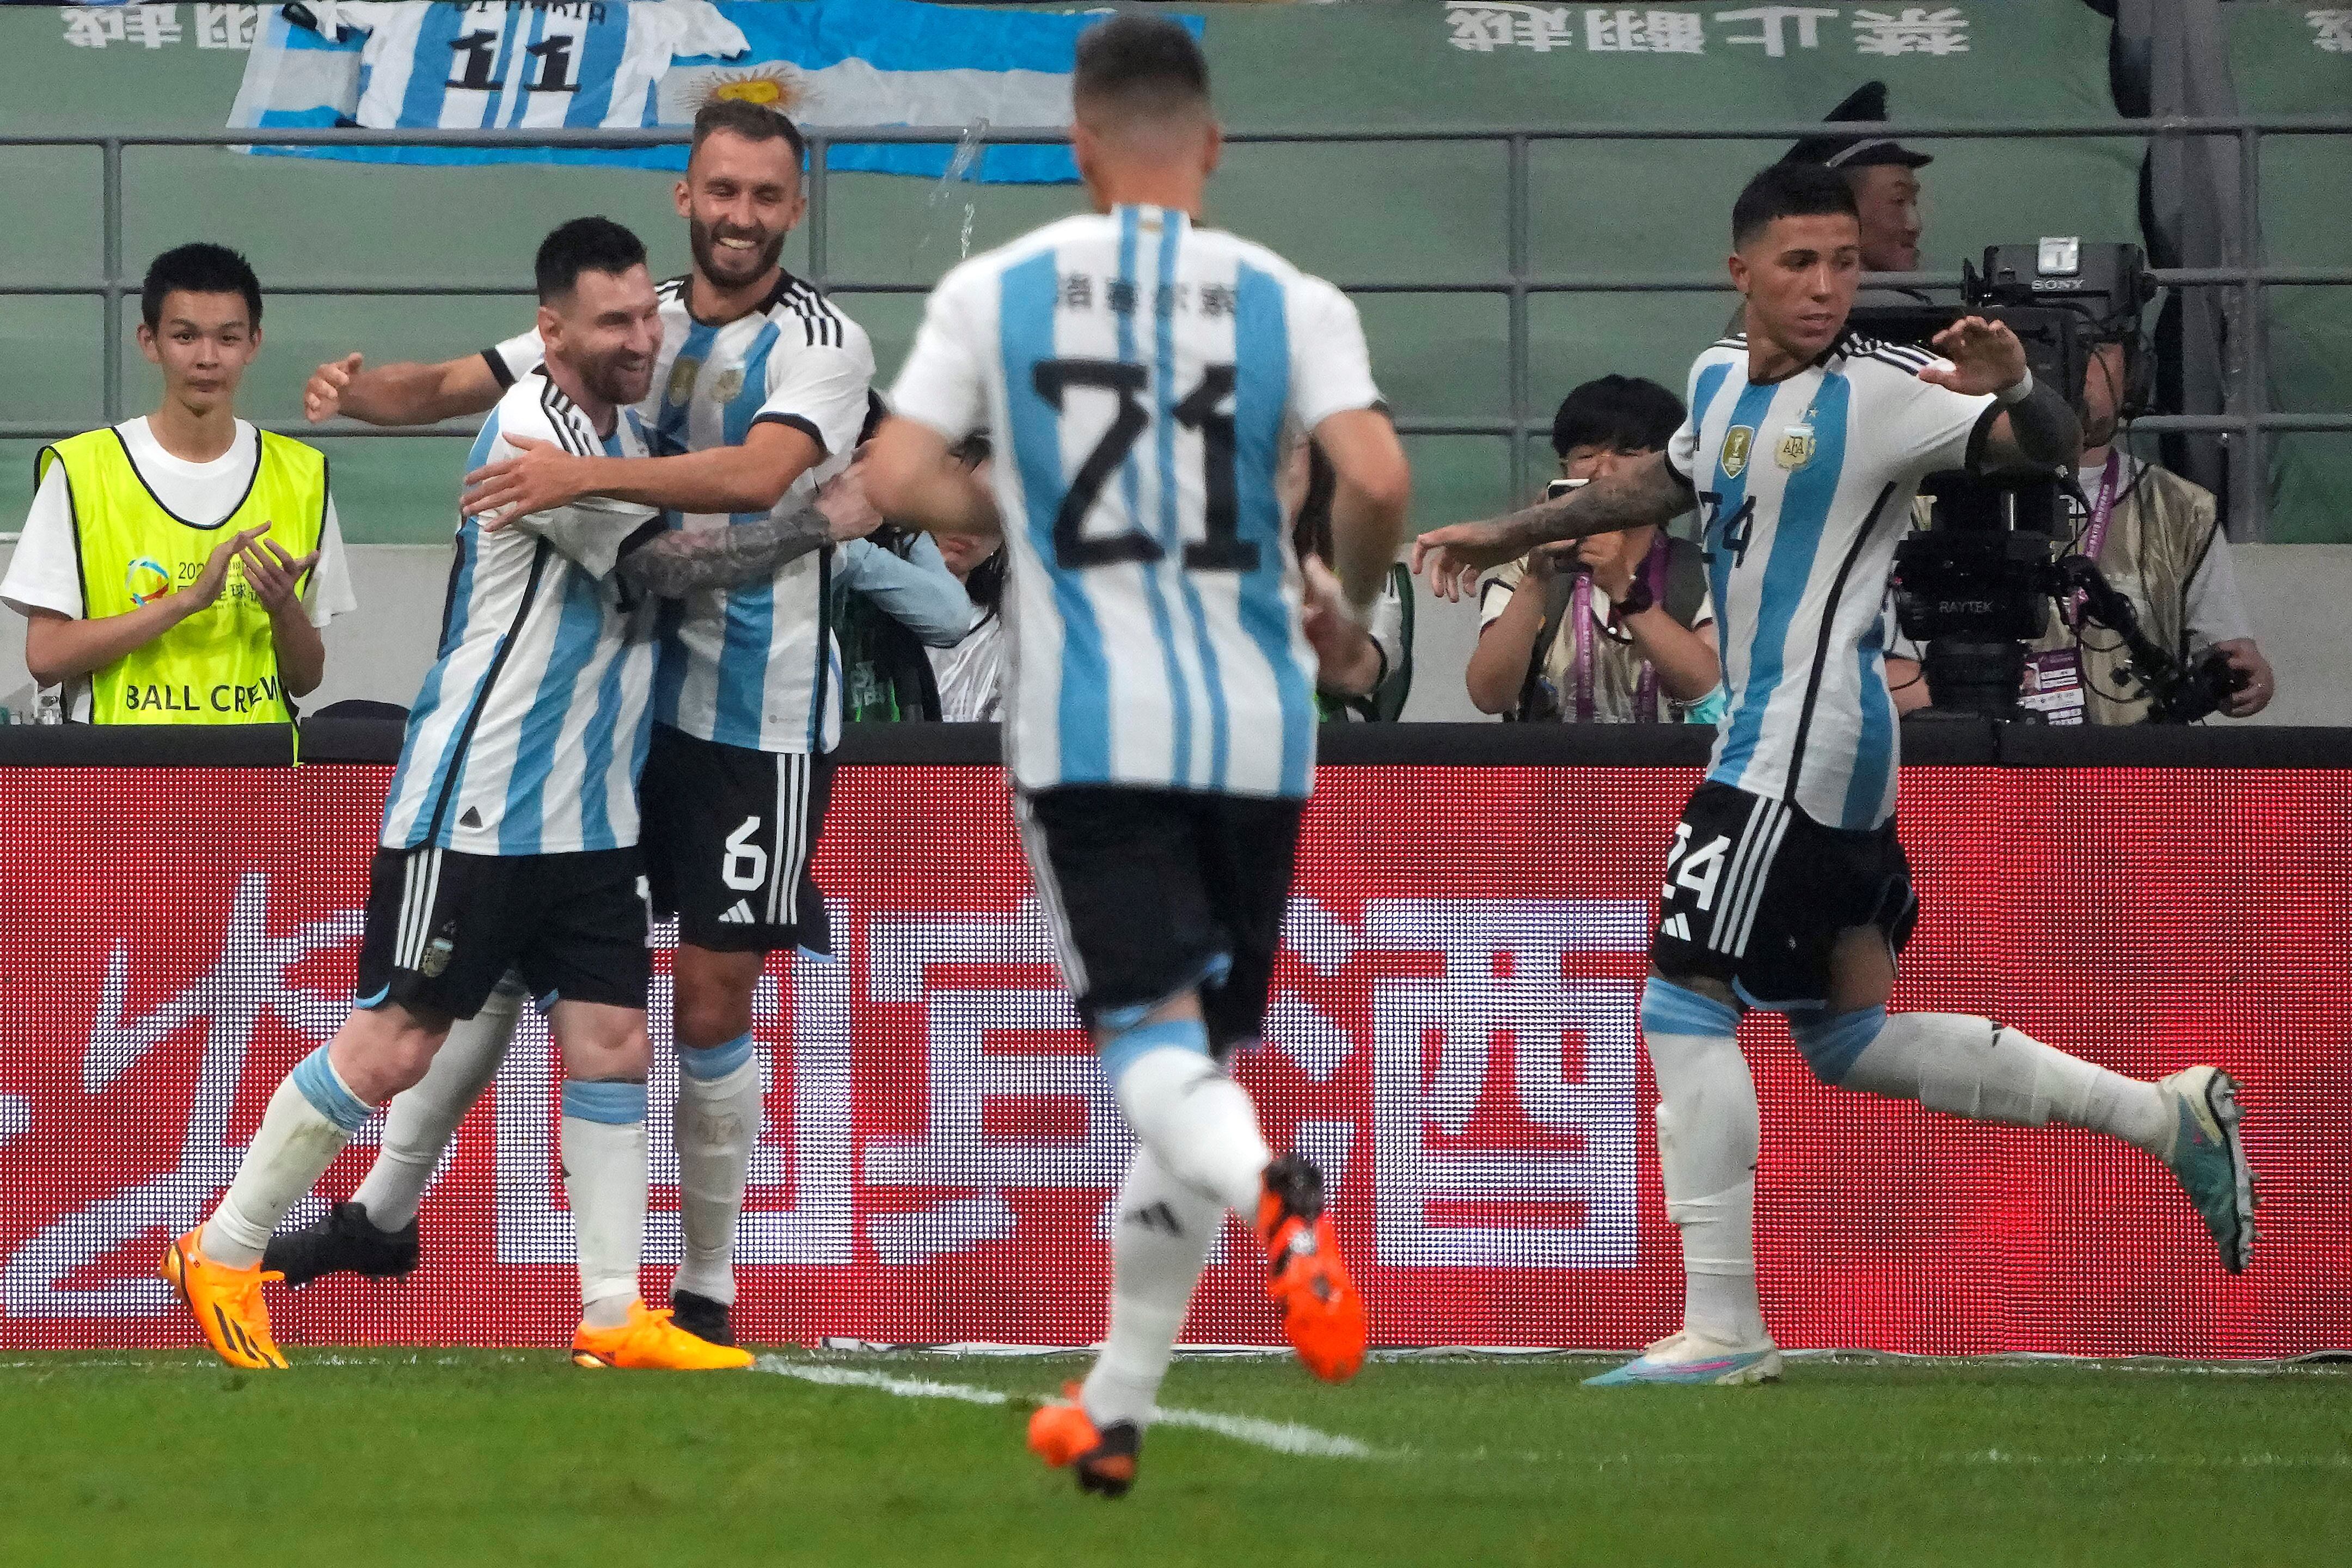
pixel 1143 379
pixel 532 724
pixel 1804 487
pixel 753 666
pixel 538 63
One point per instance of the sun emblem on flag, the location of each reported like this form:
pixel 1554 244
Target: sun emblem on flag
pixel 770 84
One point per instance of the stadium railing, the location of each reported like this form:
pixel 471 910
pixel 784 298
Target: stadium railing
pixel 2248 418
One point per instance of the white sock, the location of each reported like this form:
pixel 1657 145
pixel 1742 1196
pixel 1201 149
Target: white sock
pixel 1709 1131
pixel 718 1123
pixel 309 1119
pixel 1188 1113
pixel 419 1122
pixel 1977 1068
pixel 1165 1228
pixel 605 1176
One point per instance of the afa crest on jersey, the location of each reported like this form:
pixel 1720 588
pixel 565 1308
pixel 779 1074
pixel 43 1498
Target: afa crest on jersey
pixel 1736 442
pixel 1796 448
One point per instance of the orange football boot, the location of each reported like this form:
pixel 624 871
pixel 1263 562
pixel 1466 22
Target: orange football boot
pixel 1322 1315
pixel 1104 1460
pixel 227 1304
pixel 649 1341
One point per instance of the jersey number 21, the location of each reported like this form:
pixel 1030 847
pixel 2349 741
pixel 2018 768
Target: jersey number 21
pixel 1223 550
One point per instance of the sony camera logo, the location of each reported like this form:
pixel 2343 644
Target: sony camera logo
pixel 2057 285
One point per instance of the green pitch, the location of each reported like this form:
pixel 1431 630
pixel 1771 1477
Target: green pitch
pixel 410 1457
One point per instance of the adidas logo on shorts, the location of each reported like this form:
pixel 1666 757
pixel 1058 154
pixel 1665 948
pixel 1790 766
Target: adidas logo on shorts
pixel 741 915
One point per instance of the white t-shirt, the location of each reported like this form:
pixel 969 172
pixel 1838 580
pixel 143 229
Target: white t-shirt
pixel 46 572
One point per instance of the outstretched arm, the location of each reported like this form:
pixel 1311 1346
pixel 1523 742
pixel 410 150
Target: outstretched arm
pixel 683 562
pixel 405 393
pixel 1643 492
pixel 2032 425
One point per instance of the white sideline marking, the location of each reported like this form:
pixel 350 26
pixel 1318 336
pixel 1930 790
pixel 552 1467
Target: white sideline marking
pixel 1282 1436
pixel 904 1387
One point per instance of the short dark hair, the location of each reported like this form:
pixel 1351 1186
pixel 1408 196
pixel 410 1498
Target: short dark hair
pixel 752 121
pixel 199 269
pixel 1149 63
pixel 1789 190
pixel 583 245
pixel 1617 414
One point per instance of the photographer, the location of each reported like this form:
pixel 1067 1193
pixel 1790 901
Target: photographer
pixel 1616 628
pixel 2156 538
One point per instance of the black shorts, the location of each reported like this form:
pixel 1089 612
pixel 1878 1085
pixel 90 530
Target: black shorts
pixel 729 835
pixel 443 927
pixel 1757 893
pixel 1153 893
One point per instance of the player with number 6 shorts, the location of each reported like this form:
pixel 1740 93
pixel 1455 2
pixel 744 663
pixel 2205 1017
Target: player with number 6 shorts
pixel 760 393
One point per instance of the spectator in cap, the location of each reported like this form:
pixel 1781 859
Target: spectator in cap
pixel 1883 175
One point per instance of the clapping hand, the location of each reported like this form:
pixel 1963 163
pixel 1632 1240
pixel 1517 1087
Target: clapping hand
pixel 275 577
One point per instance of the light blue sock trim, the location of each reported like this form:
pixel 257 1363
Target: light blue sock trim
pixel 1671 1009
pixel 1120 1053
pixel 608 1100
pixel 1831 1045
pixel 326 1093
pixel 705 1063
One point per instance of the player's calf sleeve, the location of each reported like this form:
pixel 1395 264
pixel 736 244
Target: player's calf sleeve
pixel 604 1176
pixel 718 1123
pixel 1975 1067
pixel 309 1119
pixel 1709 1130
pixel 1165 1227
pixel 419 1122
pixel 1185 1110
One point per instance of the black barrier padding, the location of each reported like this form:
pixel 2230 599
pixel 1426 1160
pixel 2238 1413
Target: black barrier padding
pixel 1928 740
pixel 2171 746
pixel 151 745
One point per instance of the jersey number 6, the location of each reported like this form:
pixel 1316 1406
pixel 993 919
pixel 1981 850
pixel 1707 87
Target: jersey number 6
pixel 1223 550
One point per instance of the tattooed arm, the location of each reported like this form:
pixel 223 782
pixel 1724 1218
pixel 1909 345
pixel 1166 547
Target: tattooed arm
pixel 1640 493
pixel 679 563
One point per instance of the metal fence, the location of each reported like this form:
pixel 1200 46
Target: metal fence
pixel 2245 423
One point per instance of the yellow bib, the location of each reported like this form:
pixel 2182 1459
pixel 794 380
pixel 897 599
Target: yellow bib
pixel 220 665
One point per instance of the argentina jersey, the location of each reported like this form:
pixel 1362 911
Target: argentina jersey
pixel 1804 487
pixel 1142 379
pixel 531 726
pixel 536 63
pixel 753 666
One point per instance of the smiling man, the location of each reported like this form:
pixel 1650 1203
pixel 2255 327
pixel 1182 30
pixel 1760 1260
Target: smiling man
pixel 177 568
pixel 760 393
pixel 1785 888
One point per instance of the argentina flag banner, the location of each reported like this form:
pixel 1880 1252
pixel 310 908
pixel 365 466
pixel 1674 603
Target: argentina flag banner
pixel 516 66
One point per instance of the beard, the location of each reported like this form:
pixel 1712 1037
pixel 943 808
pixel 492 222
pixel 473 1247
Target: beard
pixel 730 268
pixel 620 378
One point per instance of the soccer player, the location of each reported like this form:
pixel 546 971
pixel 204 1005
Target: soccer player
pixel 762 391
pixel 510 830
pixel 1143 377
pixel 1785 889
